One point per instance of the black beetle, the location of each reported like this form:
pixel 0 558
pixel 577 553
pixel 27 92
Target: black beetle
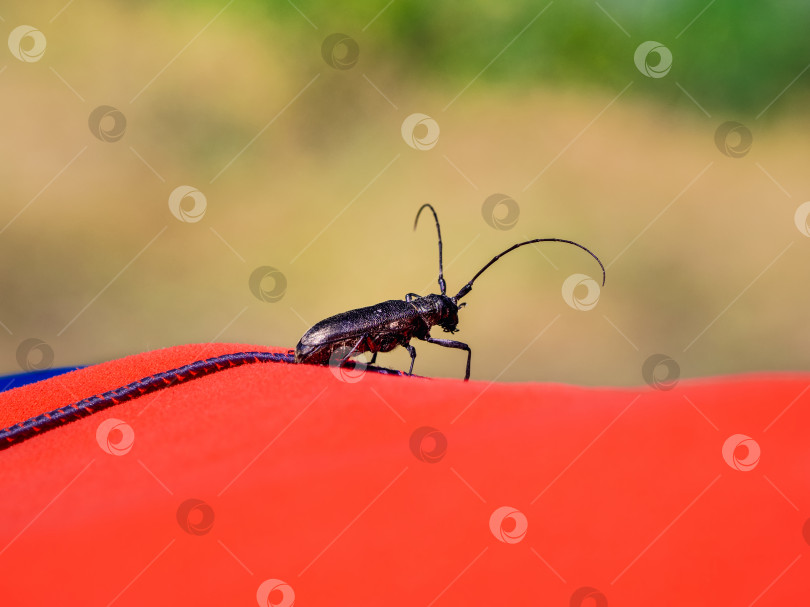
pixel 392 323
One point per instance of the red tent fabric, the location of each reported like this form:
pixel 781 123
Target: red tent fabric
pixel 275 483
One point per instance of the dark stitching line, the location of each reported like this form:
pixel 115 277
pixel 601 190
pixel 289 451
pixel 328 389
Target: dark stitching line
pixel 53 419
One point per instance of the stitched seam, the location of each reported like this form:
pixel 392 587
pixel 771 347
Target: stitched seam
pixel 166 379
pixel 87 406
pixel 53 419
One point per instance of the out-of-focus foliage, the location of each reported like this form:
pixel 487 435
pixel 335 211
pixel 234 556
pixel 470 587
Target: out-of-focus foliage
pixel 730 55
pixel 304 168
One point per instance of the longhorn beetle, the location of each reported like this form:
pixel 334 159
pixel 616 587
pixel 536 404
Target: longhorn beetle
pixel 395 322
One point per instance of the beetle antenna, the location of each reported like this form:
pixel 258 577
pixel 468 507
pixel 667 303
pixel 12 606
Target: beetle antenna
pixel 468 287
pixel 442 284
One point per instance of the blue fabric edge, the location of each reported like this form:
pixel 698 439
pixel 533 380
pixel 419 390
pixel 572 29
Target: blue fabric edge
pixel 9 382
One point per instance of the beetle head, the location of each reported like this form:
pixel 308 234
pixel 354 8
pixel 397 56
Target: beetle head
pixel 448 316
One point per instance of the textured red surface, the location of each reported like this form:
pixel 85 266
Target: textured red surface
pixel 332 488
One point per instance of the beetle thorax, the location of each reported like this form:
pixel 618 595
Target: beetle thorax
pixel 438 310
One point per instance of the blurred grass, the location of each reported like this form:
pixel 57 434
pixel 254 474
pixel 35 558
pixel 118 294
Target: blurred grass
pixel 300 197
pixel 729 55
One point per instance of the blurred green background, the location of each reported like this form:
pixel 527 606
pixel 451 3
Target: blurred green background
pixel 304 168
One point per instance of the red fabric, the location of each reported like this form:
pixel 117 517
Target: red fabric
pixel 336 490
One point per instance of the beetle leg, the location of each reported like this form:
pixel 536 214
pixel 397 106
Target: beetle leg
pixel 449 343
pixel 412 352
pixel 373 358
pixel 409 296
pixel 345 359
